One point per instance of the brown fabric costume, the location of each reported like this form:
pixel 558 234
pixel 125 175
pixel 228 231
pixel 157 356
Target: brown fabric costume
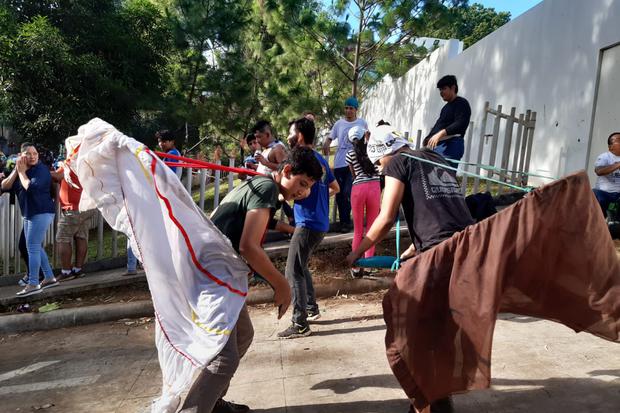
pixel 549 256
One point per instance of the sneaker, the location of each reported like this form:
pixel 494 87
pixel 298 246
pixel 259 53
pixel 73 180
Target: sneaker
pixel 344 228
pixel 357 273
pixel 65 276
pixel 29 290
pixel 295 331
pixel 222 406
pixel 313 315
pixel 52 282
pixel 131 272
pixel 24 281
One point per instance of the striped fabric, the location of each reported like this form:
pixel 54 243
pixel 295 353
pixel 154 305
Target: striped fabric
pixel 360 175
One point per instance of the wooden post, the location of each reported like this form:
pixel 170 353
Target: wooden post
pixel 203 178
pixel 407 136
pixel 18 224
pixel 470 132
pixel 100 237
pixel 231 176
pixel 5 233
pixel 506 149
pixel 517 151
pixel 483 127
pixel 530 143
pixel 188 181
pixel 494 141
pixel 418 139
pixel 216 186
pixel 523 149
pixel 114 243
pixel 496 126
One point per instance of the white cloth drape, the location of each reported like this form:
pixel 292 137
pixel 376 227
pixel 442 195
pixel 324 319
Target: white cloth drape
pixel 197 281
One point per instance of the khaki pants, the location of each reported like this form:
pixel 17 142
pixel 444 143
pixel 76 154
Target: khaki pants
pixel 213 381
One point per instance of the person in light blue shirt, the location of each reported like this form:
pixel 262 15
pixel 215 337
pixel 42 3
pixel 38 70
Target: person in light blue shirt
pixel 340 131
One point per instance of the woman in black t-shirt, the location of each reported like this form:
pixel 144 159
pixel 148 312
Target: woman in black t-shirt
pixel 429 193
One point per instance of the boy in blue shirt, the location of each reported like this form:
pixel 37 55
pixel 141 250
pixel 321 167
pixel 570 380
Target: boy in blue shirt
pixel 311 224
pixel 165 140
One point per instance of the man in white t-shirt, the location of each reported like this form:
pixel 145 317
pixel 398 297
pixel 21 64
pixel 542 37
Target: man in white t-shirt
pixel 607 167
pixel 342 173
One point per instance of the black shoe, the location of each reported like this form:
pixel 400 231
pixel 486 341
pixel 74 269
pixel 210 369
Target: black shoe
pixel 24 281
pixel 65 276
pixel 357 273
pixel 344 228
pixel 313 315
pixel 295 331
pixel 78 274
pixel 222 406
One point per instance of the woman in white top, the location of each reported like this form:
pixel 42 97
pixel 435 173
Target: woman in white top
pixel 366 190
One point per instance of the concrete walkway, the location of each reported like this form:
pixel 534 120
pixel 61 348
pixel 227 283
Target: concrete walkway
pixel 111 278
pixel 115 278
pixel 538 366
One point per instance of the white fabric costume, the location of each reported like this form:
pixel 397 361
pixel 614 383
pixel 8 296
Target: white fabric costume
pixel 197 281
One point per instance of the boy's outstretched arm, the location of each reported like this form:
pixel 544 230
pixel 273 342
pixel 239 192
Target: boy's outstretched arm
pixel 249 247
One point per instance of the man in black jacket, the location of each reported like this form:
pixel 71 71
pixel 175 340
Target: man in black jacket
pixel 447 136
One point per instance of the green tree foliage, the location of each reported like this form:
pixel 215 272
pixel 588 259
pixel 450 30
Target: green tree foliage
pixel 380 38
pixel 469 24
pixel 208 67
pixel 66 62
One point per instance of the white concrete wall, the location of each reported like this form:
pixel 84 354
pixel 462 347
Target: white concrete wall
pixel 545 60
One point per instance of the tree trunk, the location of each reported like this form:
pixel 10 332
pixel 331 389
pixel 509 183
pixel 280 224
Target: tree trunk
pixel 358 47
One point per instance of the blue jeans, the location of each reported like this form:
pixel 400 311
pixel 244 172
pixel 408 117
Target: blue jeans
pixel 605 198
pixel 132 261
pixel 35 229
pixel 343 198
pixel 452 148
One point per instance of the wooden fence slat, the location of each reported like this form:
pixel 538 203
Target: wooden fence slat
pixel 483 127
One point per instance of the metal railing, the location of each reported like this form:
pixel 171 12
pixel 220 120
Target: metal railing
pixel 202 183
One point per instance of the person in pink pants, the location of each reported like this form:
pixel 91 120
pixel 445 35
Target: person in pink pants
pixel 366 191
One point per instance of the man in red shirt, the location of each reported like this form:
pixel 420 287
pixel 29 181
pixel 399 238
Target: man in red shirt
pixel 73 226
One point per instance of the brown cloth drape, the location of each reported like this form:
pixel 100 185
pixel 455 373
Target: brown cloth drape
pixel 550 256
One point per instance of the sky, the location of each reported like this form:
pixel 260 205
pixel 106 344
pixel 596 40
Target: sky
pixel 515 7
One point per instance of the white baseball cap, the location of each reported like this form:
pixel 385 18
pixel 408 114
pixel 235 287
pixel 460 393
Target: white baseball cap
pixel 384 140
pixel 356 133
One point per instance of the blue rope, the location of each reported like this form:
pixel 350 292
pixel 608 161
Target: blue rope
pixel 527 189
pixel 396 263
pixel 497 169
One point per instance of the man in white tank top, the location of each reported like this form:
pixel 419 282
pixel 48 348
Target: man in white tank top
pixel 274 152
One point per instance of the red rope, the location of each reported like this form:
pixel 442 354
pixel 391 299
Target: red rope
pixel 188 243
pixel 204 164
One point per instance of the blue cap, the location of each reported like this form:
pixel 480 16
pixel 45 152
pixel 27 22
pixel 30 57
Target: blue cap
pixel 351 101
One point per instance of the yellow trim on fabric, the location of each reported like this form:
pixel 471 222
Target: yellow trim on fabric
pixel 209 329
pixel 147 175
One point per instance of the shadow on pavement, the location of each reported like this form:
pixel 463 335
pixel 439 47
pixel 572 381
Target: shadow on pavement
pixel 348 319
pixel 349 384
pixel 348 330
pixel 384 406
pixel 554 395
